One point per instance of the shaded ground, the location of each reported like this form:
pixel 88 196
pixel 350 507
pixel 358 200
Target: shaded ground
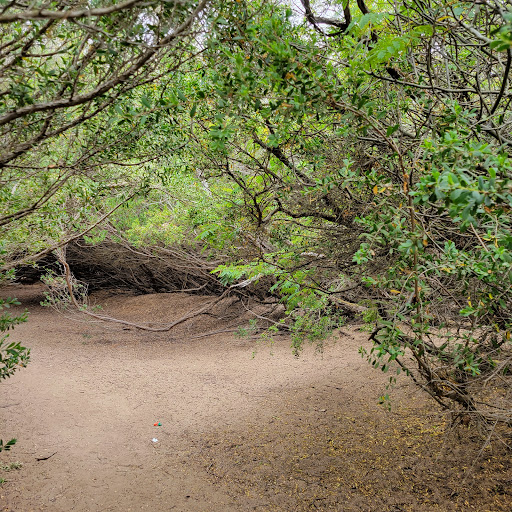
pixel 245 425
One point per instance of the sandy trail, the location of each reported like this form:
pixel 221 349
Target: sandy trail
pixel 228 407
pixel 93 392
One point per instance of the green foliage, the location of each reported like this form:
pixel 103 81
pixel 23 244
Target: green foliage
pixel 313 323
pixel 82 114
pixel 308 309
pixel 251 329
pixel 425 183
pixel 370 316
pixel 503 34
pixel 228 274
pixel 8 445
pixel 12 355
pixel 11 466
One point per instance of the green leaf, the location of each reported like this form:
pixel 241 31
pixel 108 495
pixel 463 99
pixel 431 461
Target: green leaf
pixel 456 194
pixel 392 129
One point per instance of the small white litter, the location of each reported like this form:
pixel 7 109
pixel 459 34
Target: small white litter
pixel 155 440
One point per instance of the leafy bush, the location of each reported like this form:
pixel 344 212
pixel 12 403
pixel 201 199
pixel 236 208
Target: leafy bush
pixel 12 355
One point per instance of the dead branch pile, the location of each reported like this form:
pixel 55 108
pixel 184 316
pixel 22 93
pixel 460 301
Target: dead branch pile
pixel 66 293
pixel 157 269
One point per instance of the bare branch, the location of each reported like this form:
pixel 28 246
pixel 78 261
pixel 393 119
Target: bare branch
pixel 45 14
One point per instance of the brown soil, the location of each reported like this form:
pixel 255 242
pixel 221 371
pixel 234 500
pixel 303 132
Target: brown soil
pixel 245 424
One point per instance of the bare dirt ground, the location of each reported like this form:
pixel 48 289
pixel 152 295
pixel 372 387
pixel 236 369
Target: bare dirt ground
pixel 244 424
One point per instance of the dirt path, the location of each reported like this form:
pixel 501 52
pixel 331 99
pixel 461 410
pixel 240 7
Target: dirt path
pixel 245 426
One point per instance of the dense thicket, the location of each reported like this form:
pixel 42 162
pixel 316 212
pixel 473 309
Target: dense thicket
pixel 356 153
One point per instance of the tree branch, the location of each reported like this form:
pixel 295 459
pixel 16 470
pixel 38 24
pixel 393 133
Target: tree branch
pixel 45 14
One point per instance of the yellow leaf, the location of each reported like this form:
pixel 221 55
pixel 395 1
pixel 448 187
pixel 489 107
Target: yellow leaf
pixel 376 190
pixel 394 291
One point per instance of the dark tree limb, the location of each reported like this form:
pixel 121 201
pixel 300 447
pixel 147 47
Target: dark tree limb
pixel 316 21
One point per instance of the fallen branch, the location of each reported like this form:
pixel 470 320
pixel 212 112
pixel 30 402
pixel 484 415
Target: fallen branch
pixel 349 306
pixel 212 333
pixel 279 325
pixel 47 457
pixel 105 318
